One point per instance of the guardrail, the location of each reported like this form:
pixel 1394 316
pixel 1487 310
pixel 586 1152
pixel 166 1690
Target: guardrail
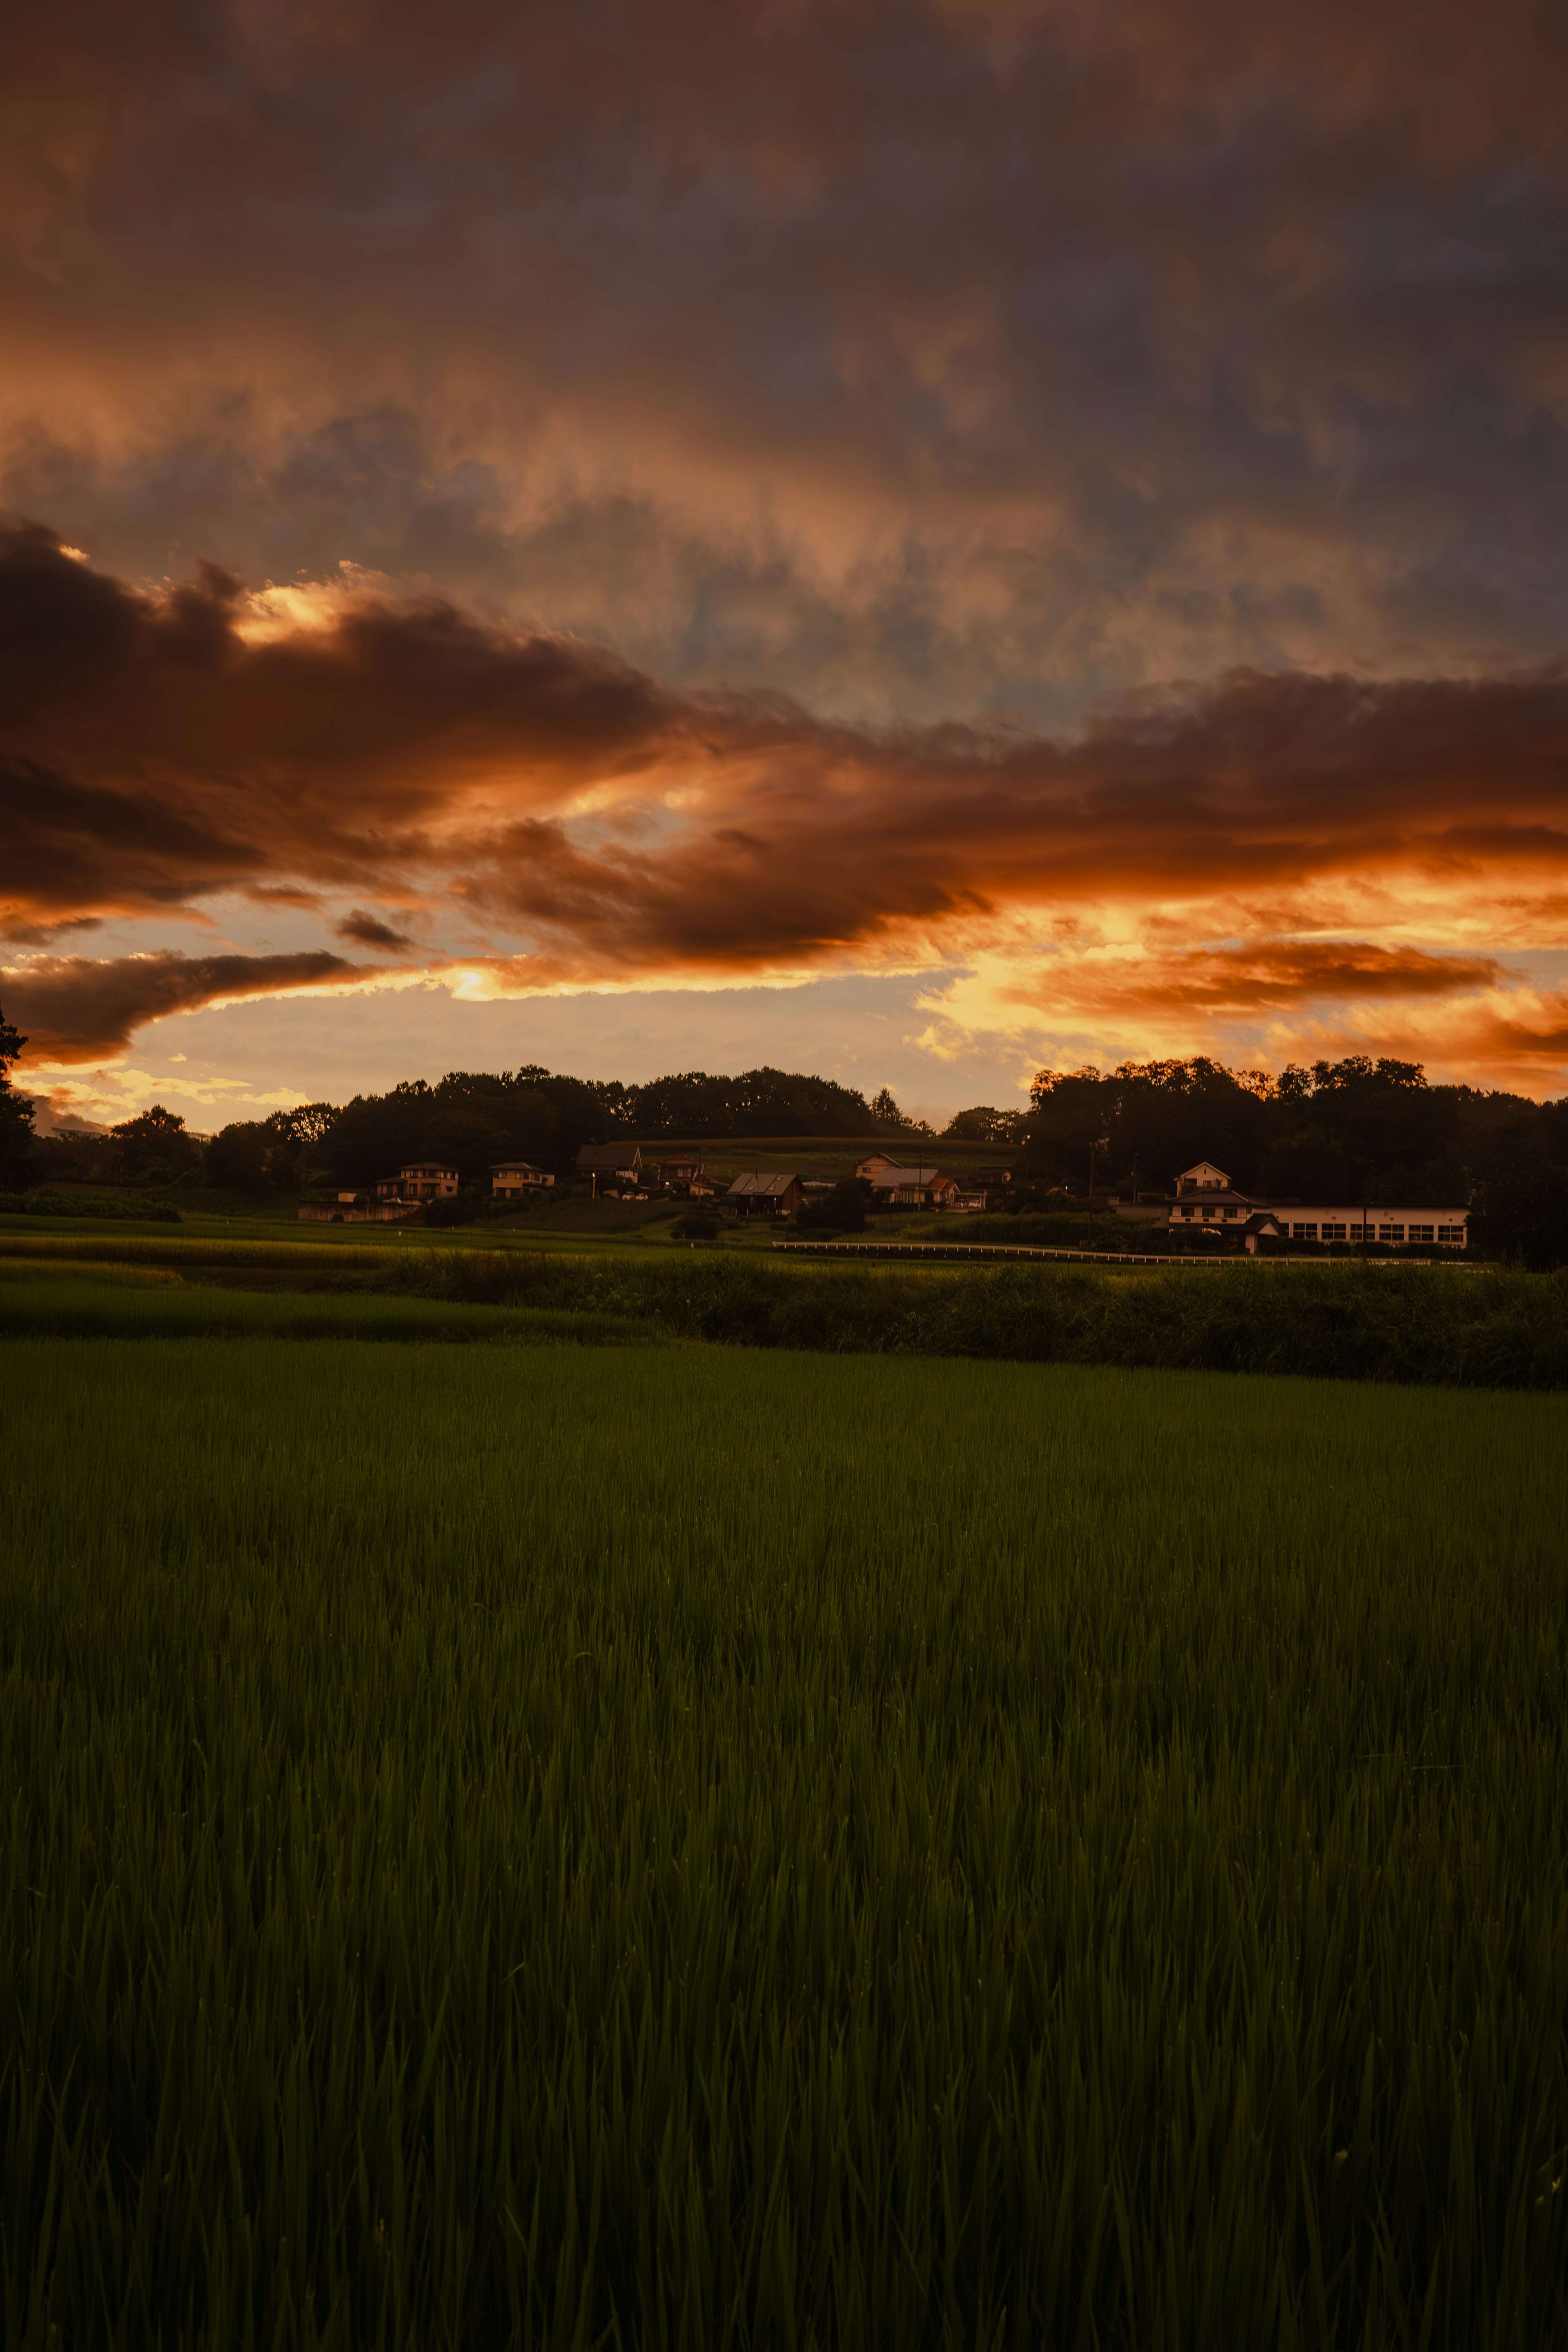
pixel 1006 1250
pixel 1079 1256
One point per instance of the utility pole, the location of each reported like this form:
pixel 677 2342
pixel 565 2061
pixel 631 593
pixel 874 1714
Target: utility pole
pixel 1094 1147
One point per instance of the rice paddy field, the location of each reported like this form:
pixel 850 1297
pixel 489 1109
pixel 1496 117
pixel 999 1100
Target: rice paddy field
pixel 682 1845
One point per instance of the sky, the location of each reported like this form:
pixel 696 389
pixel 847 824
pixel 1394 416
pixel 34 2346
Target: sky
pixel 919 542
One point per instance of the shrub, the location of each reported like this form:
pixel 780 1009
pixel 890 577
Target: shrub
pixel 842 1211
pixel 1524 1216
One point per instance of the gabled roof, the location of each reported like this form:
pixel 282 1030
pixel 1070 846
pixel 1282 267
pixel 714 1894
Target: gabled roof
pixel 515 1168
pixel 760 1183
pixel 594 1156
pixel 1205 1172
pixel 902 1178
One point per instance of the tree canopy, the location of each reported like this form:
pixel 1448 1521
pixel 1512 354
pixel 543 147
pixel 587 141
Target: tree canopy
pixel 472 1118
pixel 15 1113
pixel 153 1148
pixel 1350 1129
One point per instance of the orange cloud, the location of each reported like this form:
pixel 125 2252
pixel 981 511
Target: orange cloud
pixel 600 827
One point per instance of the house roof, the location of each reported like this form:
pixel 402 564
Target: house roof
pixel 900 1177
pixel 760 1183
pixel 608 1155
pixel 515 1168
pixel 427 1168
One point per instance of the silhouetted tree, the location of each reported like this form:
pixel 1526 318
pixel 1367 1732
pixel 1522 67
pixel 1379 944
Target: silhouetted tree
pixel 985 1124
pixel 239 1158
pixel 15 1114
pixel 153 1148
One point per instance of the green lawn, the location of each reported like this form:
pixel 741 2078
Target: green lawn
pixel 687 1846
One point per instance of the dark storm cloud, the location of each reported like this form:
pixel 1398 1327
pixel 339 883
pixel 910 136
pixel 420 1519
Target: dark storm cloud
pixel 912 358
pixel 367 930
pixel 152 756
pixel 73 1009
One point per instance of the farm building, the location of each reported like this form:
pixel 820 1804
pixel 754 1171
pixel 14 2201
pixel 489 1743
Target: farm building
pixel 764 1194
pixel 610 1163
pixel 512 1179
pixel 1204 1199
pixel 361 1209
pixel 685 1174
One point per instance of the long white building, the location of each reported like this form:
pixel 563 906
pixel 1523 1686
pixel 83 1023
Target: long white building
pixel 1206 1198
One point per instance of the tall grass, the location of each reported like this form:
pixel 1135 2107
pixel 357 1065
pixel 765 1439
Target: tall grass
pixel 127 1302
pixel 700 1848
pixel 1459 1327
pixel 127 1206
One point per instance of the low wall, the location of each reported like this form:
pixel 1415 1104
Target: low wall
pixel 384 1213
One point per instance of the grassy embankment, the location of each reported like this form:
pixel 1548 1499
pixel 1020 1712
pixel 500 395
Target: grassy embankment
pixel 1461 1327
pixel 524 1848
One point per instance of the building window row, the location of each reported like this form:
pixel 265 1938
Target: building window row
pixel 1452 1235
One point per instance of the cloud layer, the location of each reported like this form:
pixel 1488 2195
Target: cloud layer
pixel 555 817
pixel 923 357
pixel 1071 498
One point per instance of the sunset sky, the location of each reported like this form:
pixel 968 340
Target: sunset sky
pixel 909 541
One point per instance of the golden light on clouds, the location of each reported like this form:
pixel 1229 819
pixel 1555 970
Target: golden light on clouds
pixel 1064 507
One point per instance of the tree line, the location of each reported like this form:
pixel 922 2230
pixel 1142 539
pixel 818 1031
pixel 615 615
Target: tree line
pixel 473 1119
pixel 1354 1130
pixel 1351 1130
pixel 1334 1131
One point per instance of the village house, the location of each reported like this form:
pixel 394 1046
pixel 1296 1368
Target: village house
pixel 610 1163
pixel 893 1187
pixel 1206 1199
pixel 684 1175
pixel 421 1180
pixel 763 1193
pixel 510 1179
